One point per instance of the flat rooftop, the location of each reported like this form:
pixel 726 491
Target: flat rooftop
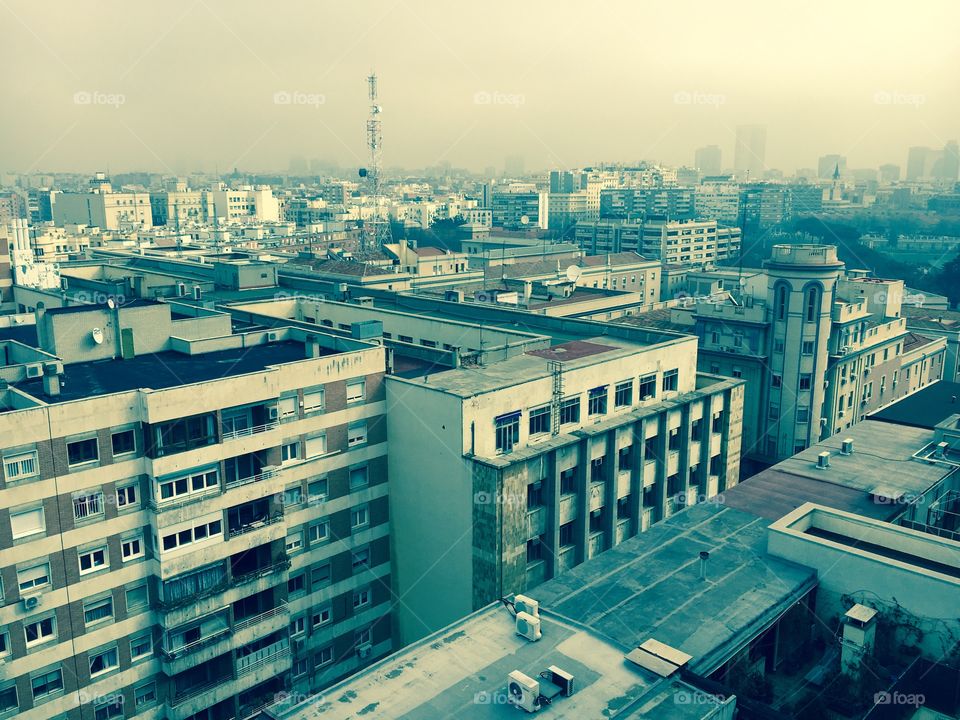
pixel 925 408
pixel 163 370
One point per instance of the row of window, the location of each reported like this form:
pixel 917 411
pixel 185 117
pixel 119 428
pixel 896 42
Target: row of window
pixel 325 655
pixel 319 532
pixel 321 575
pixel 24 465
pixel 507 427
pixel 88 505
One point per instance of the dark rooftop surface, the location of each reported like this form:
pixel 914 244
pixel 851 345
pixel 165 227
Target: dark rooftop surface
pixel 26 334
pixel 912 341
pixel 773 493
pixel 572 350
pixel 162 370
pixel 925 408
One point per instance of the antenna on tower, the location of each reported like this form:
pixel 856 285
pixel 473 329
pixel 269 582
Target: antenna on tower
pixel 376 232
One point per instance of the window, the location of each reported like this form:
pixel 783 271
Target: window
pixel 109 710
pixel 566 535
pixel 778 346
pixel 144 695
pixel 292 495
pixel 320 576
pixel 360 516
pixel 98 610
pixel 21 466
pixel 648 387
pixel 313 401
pixel 803 414
pixel 82 451
pixel 806 348
pixel 362 637
pixel 507 429
pixel 361 598
pixel 47 683
pixel 288 407
pixel 805 382
pixel 597 401
pixel 673 439
pixel 296 584
pixel 92 560
pixel 623 394
pixel 198 533
pixel 38 631
pixel 358 477
pixel 361 559
pixel 127 496
pixel 88 506
pixel 124 442
pixel 737 371
pixel 534 550
pixel 321 617
pixel 197 482
pixel 34 576
pixel 781 302
pixel 319 532
pixel 356 391
pixel 717 425
pixel 317 491
pixel 137 597
pixel 812 301
pixel 568 481
pixel 776 381
pixel 27 521
pixel 295 542
pixel 8 699
pixel 4 645
pixel 534 495
pixel 301 667
pixel 141 647
pixel 131 547
pixel 738 339
pixel 670 378
pixel 357 433
pixel 104 661
pixel 540 420
pixel 324 656
pixel 315 445
pixel 696 429
pixel 289 451
pixel 570 411
pixel 298 626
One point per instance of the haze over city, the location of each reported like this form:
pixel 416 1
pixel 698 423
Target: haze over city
pixel 193 85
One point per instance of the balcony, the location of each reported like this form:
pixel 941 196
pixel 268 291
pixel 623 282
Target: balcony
pixel 249 431
pixel 252 575
pixel 221 684
pixel 264 657
pixel 267 473
pixel 255 525
pixel 184 650
pixel 280 611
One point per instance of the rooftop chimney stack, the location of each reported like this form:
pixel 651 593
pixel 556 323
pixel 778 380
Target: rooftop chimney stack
pixel 704 556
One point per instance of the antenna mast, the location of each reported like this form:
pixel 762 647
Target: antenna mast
pixel 377 231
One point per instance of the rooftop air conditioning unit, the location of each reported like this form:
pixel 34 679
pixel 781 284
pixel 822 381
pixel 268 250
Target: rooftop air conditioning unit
pixel 364 650
pixel 31 602
pixel 823 460
pixel 34 371
pixel 524 604
pixel 523 691
pixel 846 447
pixel 528 626
pixel 562 679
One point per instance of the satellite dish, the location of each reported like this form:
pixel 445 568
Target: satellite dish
pixel 573 273
pixel 97 335
pixel 524 220
pixel 111 303
pixel 363 172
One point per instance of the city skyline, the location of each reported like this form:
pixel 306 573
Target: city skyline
pixel 464 90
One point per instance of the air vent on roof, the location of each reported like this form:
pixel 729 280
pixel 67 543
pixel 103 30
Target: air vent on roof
pixel 823 460
pixel 846 447
pixel 941 450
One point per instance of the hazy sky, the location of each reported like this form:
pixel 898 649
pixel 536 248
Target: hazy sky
pixel 196 84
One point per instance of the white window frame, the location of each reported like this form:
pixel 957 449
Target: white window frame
pixel 83 463
pixel 108 600
pixel 366 476
pixel 362 597
pixel 322 533
pixel 88 505
pixel 14 461
pixel 212 529
pixel 294 542
pixel 146 593
pixel 353 396
pixel 45 574
pixel 360 517
pixel 357 433
pixel 123 492
pixel 287 407
pixel 313 497
pixel 310 404
pixel 107 668
pixel 285 457
pixel 26 510
pixel 91 551
pixel 323 610
pixel 40 638
pixel 139 639
pixel 309 445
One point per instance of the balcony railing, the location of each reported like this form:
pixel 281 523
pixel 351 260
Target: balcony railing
pixel 181 696
pixel 256 525
pixel 247 432
pixel 262 657
pixel 194 646
pixel 281 609
pixel 264 474
pixel 164 505
pixel 252 575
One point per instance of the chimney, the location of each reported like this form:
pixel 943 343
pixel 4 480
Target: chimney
pixel 51 380
pixel 704 556
pixel 859 634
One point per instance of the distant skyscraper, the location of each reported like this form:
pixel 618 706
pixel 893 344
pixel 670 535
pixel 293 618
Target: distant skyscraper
pixel 708 160
pixel 889 173
pixel 749 153
pixel 947 165
pixel 828 165
pixel 513 166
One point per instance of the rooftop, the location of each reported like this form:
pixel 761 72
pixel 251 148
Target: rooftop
pixel 925 408
pixel 163 370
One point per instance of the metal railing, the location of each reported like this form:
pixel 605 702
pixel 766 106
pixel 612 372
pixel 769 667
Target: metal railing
pixel 181 696
pixel 281 609
pixel 262 657
pixel 255 525
pixel 264 474
pixel 261 572
pixel 247 432
pixel 195 645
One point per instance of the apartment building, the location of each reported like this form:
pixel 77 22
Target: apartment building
pixel 701 241
pixel 821 347
pixel 192 519
pixel 519 206
pixel 532 464
pixel 6 272
pixel 103 207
